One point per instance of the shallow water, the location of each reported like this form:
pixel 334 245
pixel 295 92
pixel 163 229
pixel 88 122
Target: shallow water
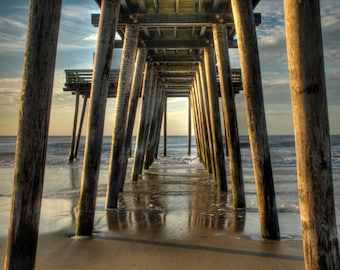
pixel 174 199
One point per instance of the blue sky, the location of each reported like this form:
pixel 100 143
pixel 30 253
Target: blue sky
pixel 77 40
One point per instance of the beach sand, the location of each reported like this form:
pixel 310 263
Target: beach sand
pixel 113 251
pixel 172 219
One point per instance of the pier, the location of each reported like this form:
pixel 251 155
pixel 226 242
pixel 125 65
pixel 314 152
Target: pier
pixel 177 48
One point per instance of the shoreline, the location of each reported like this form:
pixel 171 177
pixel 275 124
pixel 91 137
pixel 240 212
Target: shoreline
pixel 57 250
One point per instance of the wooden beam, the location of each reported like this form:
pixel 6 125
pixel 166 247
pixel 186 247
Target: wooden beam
pixel 183 20
pixel 116 165
pixel 214 113
pixel 31 144
pixel 257 128
pixel 99 91
pixel 312 139
pixel 229 115
pixel 133 102
pixel 172 44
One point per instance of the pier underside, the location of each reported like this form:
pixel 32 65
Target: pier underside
pixel 177 48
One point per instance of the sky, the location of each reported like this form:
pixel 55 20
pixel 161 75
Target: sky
pixel 77 42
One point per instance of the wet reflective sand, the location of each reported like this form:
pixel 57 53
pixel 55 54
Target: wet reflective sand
pixel 173 217
pixel 171 203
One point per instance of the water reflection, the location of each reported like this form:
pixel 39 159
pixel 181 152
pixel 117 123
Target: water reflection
pixel 75 178
pixel 172 203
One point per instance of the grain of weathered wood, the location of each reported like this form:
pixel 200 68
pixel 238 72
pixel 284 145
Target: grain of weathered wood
pixel 257 129
pixel 133 102
pixel 121 114
pixel 143 132
pixel 216 132
pixel 202 86
pixel 82 116
pixel 165 128
pixel 94 137
pixel 155 119
pixel 189 126
pixel 220 33
pixel 159 127
pixel 201 125
pixel 74 131
pixel 34 116
pixel 311 128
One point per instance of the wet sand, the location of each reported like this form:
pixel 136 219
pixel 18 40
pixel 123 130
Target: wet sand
pixel 172 218
pixel 114 251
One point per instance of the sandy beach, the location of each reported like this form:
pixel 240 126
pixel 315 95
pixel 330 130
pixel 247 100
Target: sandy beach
pixel 168 220
pixel 171 218
pixel 113 251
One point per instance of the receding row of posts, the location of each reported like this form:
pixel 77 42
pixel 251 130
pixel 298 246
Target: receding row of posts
pixel 305 58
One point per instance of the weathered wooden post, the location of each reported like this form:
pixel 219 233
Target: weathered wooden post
pixel 31 145
pixel 165 127
pixel 99 90
pixel 189 126
pixel 80 126
pixel 257 129
pixel 150 119
pixel 311 128
pixel 142 137
pixel 202 86
pixel 197 124
pixel 220 33
pixel 74 130
pixel 152 141
pixel 201 136
pixel 121 113
pixel 159 125
pixel 133 102
pixel 210 68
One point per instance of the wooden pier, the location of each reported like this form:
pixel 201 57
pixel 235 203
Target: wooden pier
pixel 177 48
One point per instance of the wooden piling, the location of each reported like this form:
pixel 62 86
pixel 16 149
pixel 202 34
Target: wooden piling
pixel 143 132
pixel 75 154
pixel 200 124
pixel 74 130
pixel 220 33
pixel 165 127
pixel 197 123
pixel 311 128
pixel 257 129
pixel 133 102
pixel 157 117
pixel 202 86
pixel 216 132
pixel 99 90
pixel 189 126
pixel 159 125
pixel 31 145
pixel 150 120
pixel 121 113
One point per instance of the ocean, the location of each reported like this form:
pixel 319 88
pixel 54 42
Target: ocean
pixel 173 199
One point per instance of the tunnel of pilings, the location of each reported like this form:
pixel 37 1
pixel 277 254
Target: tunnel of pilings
pixel 176 48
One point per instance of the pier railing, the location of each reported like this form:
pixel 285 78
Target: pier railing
pixel 81 79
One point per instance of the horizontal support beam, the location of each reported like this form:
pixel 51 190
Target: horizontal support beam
pixel 175 44
pixel 166 19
